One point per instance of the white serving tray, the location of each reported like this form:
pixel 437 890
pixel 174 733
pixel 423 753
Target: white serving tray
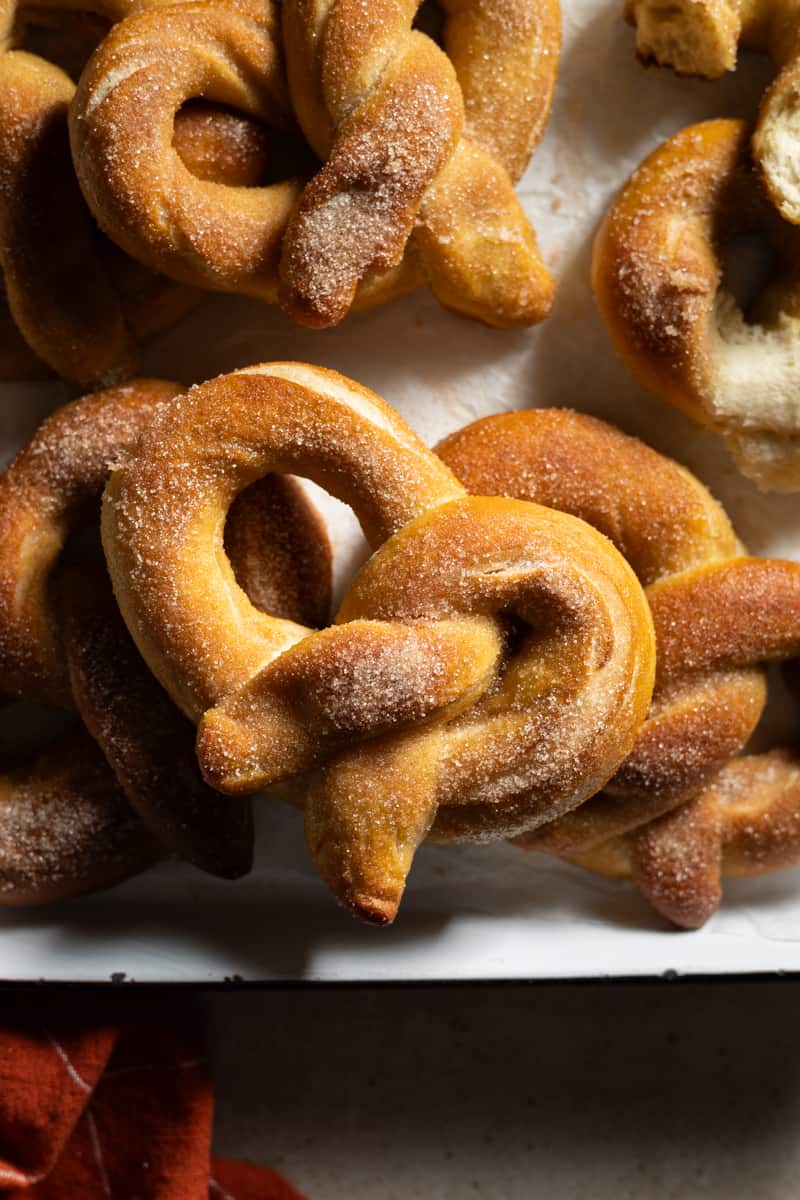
pixel 470 912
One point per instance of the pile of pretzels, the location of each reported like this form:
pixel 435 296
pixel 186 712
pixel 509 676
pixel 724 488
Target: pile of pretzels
pixel 318 154
pixel 558 640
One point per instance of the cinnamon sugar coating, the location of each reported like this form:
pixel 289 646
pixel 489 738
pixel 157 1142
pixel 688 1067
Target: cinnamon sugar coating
pixel 46 492
pixel 421 151
pixel 80 304
pixel 423 142
pixel 62 641
pixel 657 273
pixel 678 813
pixel 488 668
pixel 66 827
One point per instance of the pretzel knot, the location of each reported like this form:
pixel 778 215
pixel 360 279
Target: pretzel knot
pixel 487 670
pixel 702 37
pixel 384 108
pixel 79 303
pixel 413 188
pixel 718 615
pixel 68 820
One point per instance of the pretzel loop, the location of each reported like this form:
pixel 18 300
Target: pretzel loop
pixel 80 304
pixel 542 733
pixel 63 642
pixel 658 277
pixel 122 141
pixel 507 645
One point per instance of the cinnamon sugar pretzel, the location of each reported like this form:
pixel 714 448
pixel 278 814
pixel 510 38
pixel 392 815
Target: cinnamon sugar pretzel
pixel 75 650
pixel 745 822
pixel 702 37
pixel 80 304
pixel 419 140
pixel 66 827
pixel 382 103
pixel 718 614
pixel 488 668
pixel 658 277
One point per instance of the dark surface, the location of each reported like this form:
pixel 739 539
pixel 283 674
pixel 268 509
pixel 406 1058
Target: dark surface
pixel 660 1090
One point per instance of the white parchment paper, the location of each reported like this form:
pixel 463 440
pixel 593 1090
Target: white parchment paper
pixel 470 912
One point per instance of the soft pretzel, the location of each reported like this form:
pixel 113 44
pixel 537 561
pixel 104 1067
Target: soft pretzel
pixel 472 240
pixel 491 661
pixel 44 495
pixel 122 120
pixel 416 139
pixel 658 278
pixel 718 616
pixel 147 742
pixel 745 822
pixel 66 827
pixel 281 558
pixel 79 651
pixel 702 37
pixel 79 302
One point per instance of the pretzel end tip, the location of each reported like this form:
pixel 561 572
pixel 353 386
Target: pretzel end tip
pixel 312 311
pixel 372 910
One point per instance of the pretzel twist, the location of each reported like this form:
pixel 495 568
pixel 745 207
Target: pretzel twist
pixel 490 664
pixel 384 108
pixel 80 304
pixel 75 650
pixel 745 822
pixel 718 616
pixel 702 37
pixel 472 240
pixel 658 279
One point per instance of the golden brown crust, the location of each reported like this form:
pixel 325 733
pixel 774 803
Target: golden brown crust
pixel 413 141
pixel 79 303
pixel 66 828
pixel 718 615
pixel 220 145
pixel 164 510
pixel 745 822
pixel 57 288
pixel 493 659
pixel 657 275
pixel 663 521
pixel 45 494
pixel 398 162
pixel 505 56
pixel 138 188
pixel 147 741
pixel 541 725
pixel 80 652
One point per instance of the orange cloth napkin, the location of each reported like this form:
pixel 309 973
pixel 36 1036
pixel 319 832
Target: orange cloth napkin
pixel 95 1109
